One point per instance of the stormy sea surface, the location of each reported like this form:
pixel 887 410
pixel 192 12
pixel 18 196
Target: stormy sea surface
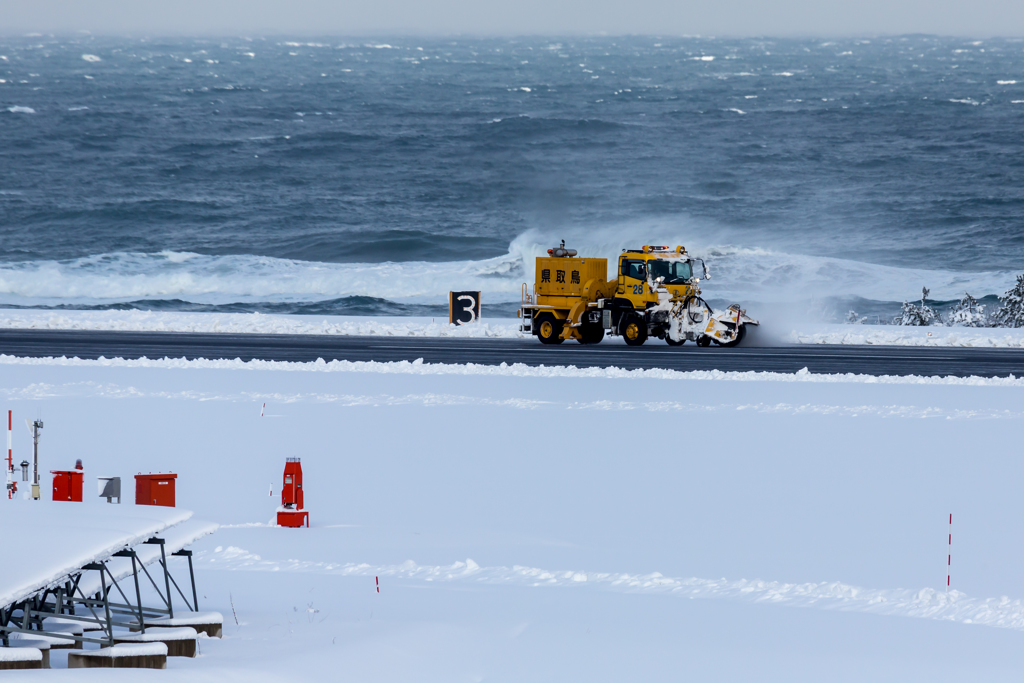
pixel 341 176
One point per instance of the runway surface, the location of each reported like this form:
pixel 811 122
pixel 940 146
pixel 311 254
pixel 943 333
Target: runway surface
pixel 871 360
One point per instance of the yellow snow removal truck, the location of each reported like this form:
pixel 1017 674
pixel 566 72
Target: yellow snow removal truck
pixel 655 293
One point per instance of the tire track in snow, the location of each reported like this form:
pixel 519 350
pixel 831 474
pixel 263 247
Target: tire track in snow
pixel 926 603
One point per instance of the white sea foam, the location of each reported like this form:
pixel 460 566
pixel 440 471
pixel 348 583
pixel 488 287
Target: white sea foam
pixel 967 100
pixel 738 111
pixel 91 58
pixel 21 110
pixel 1006 82
pixel 738 273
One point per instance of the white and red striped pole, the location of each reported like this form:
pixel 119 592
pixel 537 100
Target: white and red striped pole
pixel 10 459
pixel 949 557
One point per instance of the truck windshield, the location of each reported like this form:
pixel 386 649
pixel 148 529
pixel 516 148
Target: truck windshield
pixel 674 272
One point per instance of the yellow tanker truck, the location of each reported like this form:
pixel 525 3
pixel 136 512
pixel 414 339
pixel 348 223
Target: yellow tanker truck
pixel 655 292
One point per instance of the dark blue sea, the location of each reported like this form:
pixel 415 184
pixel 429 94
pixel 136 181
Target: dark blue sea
pixel 371 177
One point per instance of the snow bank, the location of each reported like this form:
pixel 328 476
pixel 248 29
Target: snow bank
pixel 187 619
pixel 161 634
pixel 898 335
pixel 926 603
pixel 832 408
pixel 252 323
pixel 20 654
pixel 58 625
pixel 418 367
pixel 126 650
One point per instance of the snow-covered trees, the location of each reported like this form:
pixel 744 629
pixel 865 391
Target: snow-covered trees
pixel 1011 307
pixel 854 318
pixel 918 315
pixel 967 313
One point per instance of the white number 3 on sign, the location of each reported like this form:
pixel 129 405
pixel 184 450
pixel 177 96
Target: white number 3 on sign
pixel 470 307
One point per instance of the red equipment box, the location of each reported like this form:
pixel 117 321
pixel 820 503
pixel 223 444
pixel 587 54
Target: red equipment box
pixel 290 513
pixel 155 489
pixel 67 484
pixel 293 518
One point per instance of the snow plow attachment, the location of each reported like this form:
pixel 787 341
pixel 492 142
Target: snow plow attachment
pixel 728 327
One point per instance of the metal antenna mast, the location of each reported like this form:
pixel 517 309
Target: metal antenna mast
pixel 36 426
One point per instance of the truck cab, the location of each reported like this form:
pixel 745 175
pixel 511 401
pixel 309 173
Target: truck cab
pixel 642 273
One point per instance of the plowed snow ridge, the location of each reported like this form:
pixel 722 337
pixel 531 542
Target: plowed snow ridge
pixel 926 603
pixel 39 391
pixel 418 367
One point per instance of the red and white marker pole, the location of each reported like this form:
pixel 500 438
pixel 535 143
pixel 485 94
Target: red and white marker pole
pixel 377 579
pixel 262 409
pixel 949 557
pixel 10 460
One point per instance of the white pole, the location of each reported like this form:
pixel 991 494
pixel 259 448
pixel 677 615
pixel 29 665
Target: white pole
pixel 949 556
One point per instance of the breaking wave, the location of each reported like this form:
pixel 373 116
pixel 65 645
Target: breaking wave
pixel 185 280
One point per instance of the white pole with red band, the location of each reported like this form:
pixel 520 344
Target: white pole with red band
pixel 11 486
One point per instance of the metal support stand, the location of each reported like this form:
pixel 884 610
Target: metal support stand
pixel 191 576
pixel 63 600
pixel 167 576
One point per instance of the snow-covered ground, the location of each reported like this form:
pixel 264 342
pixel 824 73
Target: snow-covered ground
pixel 896 335
pixel 252 323
pixel 770 332
pixel 567 525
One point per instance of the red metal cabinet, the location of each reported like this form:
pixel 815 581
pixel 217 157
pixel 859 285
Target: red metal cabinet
pixel 155 489
pixel 67 485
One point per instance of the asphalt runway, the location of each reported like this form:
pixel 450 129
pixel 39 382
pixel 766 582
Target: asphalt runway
pixel 871 360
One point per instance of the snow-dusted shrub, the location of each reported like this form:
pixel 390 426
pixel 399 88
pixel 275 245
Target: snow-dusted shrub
pixel 918 315
pixel 854 318
pixel 967 313
pixel 1011 307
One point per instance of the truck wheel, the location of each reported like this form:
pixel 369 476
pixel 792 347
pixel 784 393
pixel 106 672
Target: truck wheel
pixel 703 341
pixel 673 342
pixel 737 339
pixel 591 334
pixel 634 330
pixel 548 328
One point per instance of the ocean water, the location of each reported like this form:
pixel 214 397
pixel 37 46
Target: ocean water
pixel 372 177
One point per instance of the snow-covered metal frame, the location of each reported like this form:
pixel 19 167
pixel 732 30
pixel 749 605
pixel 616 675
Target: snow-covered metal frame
pixel 54 610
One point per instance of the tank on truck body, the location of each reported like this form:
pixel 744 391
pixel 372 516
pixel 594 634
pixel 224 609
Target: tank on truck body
pixel 654 292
